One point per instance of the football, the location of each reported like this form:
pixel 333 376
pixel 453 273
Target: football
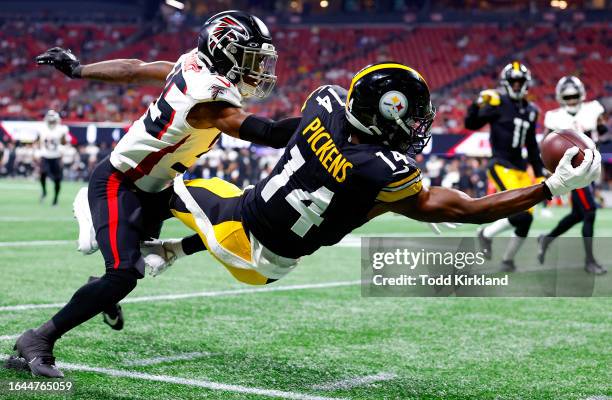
pixel 555 144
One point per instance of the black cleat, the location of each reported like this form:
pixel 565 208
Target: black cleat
pixel 543 242
pixel 112 317
pixel 592 267
pixel 17 363
pixel 485 244
pixel 37 353
pixel 508 266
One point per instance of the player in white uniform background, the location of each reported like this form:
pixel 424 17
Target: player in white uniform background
pixel 129 191
pixel 51 137
pixel 586 117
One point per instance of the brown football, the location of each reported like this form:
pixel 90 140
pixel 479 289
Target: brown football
pixel 554 145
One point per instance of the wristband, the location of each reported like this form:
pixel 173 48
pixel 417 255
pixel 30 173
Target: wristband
pixel 547 193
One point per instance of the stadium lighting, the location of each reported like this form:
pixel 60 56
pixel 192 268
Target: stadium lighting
pixel 324 3
pixel 175 4
pixel 562 4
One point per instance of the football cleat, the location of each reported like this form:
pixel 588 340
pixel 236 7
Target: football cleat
pixel 37 353
pixel 112 317
pixel 592 267
pixel 543 242
pixel 508 266
pixel 485 244
pixel 87 243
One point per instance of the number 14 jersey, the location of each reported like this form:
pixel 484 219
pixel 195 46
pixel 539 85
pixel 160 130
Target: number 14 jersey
pixel 323 186
pixel 162 143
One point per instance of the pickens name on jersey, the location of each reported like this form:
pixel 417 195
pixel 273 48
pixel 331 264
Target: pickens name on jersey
pixel 161 143
pixel 584 121
pixel 324 186
pixel 51 140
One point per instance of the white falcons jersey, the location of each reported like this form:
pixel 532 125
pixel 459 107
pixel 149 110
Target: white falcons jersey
pixel 51 140
pixel 585 120
pixel 162 143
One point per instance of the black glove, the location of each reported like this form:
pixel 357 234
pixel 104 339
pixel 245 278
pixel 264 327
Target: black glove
pixel 62 60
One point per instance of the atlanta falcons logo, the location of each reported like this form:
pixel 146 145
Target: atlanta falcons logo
pixel 225 27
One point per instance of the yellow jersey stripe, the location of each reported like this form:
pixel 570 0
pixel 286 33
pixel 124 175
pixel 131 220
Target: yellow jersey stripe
pixel 515 65
pixel 390 197
pixel 376 68
pixel 407 179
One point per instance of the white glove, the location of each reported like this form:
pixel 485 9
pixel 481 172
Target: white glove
pixel 567 178
pixel 436 229
pixel 159 255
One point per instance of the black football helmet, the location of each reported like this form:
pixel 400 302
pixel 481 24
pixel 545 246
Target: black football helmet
pixel 390 102
pixel 238 45
pixel 514 73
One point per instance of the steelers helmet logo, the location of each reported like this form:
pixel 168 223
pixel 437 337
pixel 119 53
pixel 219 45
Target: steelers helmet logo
pixel 393 105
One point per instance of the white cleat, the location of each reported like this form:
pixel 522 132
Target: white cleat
pixel 546 213
pixel 87 243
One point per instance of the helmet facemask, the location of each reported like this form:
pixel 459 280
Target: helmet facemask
pixel 52 119
pixel 516 80
pixel 255 74
pixel 570 94
pixel 412 134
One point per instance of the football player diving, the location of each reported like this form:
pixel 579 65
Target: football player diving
pixel 344 164
pixel 586 117
pixel 512 120
pixel 202 96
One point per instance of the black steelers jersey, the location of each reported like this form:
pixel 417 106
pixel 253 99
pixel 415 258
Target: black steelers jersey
pixel 324 186
pixel 512 127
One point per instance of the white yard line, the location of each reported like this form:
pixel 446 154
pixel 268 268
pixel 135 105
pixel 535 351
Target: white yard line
pixel 33 219
pixel 37 243
pixel 231 292
pixel 190 382
pixel 9 337
pixel 355 382
pixel 161 360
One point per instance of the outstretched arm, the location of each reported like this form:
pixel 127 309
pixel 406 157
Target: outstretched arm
pixel 447 205
pixel 236 122
pixel 115 71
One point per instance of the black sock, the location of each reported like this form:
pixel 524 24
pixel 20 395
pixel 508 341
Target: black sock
pixel 565 224
pixel 58 185
pixel 587 235
pixel 193 244
pixel 521 222
pixel 43 183
pixel 90 300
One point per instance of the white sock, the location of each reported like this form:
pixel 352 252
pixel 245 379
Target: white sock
pixel 513 247
pixel 496 228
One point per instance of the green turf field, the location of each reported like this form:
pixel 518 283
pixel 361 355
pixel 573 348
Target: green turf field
pixel 310 335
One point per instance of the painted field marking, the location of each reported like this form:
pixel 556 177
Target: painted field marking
pixel 231 292
pixel 32 243
pixel 190 382
pixel 9 337
pixel 355 382
pixel 161 360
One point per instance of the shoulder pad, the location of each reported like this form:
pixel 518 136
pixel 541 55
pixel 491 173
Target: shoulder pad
pixel 396 174
pixel 204 86
pixel 336 96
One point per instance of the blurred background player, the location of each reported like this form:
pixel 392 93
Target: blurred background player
pixel 581 116
pixel 512 120
pixel 51 137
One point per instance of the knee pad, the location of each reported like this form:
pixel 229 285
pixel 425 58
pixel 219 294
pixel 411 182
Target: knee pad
pixel 521 222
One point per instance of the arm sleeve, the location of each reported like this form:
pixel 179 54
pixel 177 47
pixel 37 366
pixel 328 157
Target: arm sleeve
pixel 477 117
pixel 267 132
pixel 533 152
